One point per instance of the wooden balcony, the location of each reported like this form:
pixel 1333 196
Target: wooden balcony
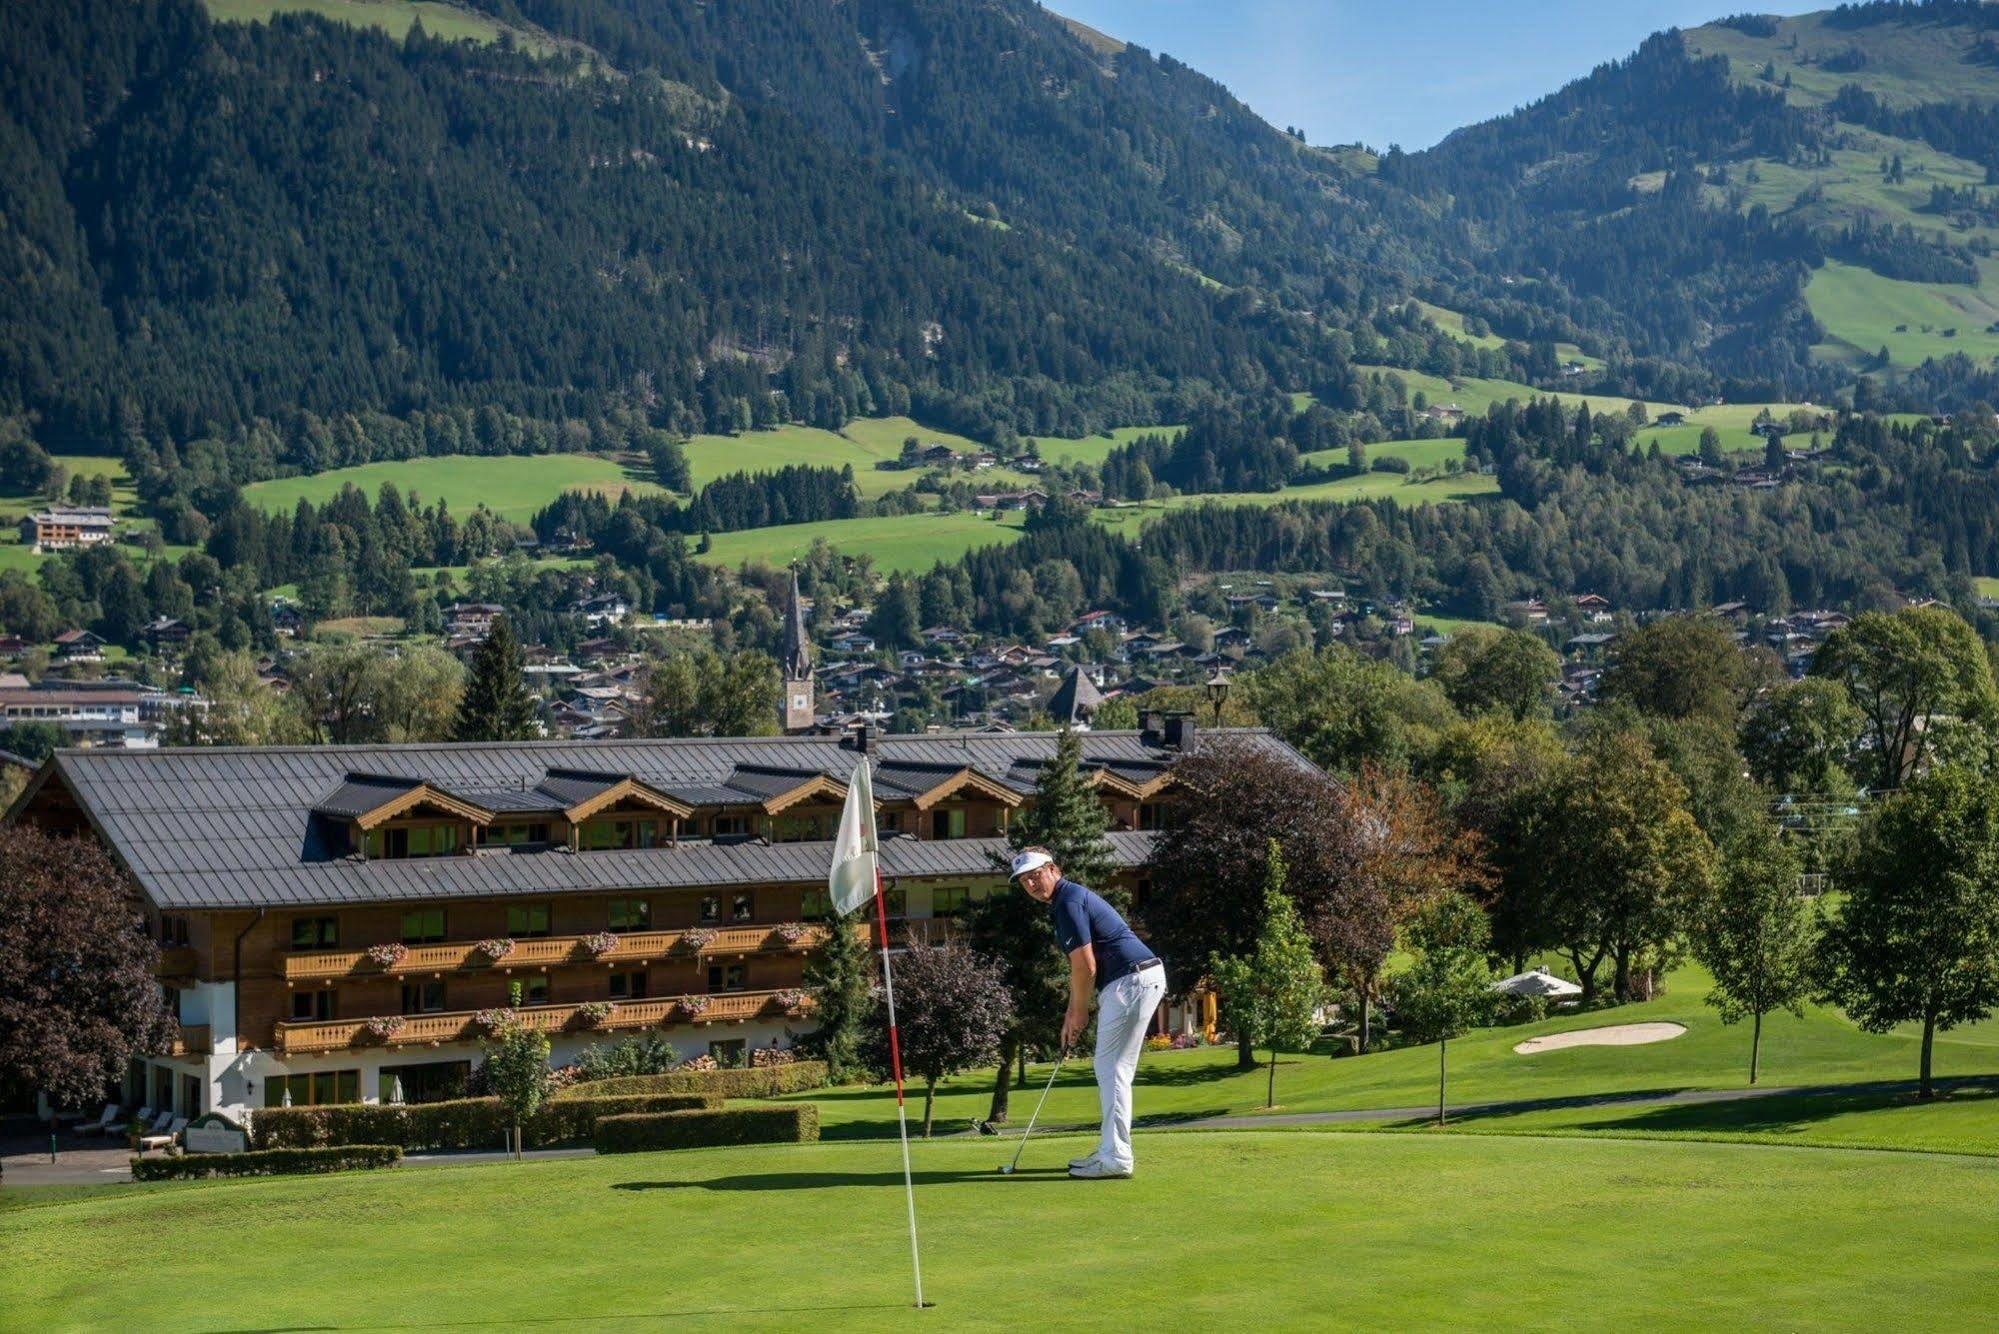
pixel 175 961
pixel 194 1040
pixel 544 952
pixel 419 1030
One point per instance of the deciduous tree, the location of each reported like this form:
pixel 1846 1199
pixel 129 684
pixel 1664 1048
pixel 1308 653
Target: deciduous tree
pixel 1918 675
pixel 953 1008
pixel 1447 990
pixel 78 993
pixel 1487 670
pixel 1271 996
pixel 1754 933
pixel 1799 735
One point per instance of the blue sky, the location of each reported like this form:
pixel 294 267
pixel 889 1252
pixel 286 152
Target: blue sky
pixel 1397 71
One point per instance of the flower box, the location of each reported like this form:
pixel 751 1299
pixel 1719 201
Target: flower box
pixel 495 1019
pixel 385 1026
pixel 594 1014
pixel 389 955
pixel 691 1007
pixel 600 943
pixel 793 933
pixel 789 999
pixel 699 938
pixel 495 950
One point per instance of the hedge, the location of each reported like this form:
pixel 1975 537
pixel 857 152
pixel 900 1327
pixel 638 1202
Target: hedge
pixel 796 1124
pixel 462 1123
pixel 265 1162
pixel 766 1082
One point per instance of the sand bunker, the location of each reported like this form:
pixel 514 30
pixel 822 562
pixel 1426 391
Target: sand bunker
pixel 1616 1035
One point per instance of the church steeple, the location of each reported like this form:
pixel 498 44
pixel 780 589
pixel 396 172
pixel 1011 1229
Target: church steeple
pixel 796 706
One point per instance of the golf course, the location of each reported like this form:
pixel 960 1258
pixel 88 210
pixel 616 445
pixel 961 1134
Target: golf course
pixel 1611 1184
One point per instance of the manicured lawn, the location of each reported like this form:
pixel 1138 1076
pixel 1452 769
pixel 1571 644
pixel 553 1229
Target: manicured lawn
pixel 1865 312
pixel 512 486
pixel 1282 1230
pixel 897 542
pixel 1820 1048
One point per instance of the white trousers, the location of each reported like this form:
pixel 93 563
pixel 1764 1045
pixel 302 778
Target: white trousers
pixel 1123 1010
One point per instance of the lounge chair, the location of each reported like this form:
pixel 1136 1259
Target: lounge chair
pixel 165 1139
pixel 102 1124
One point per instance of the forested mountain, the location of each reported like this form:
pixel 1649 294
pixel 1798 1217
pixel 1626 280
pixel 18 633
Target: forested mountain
pixel 294 244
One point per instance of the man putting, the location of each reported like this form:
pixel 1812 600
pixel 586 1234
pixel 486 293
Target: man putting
pixel 1108 958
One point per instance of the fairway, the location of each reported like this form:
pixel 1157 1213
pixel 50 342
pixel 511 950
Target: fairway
pixel 897 542
pixel 1263 1229
pixel 513 486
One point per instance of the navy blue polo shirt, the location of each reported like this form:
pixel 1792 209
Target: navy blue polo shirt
pixel 1083 918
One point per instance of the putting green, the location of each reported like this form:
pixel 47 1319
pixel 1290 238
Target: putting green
pixel 1279 1229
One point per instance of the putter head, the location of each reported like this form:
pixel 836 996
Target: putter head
pixel 1006 1169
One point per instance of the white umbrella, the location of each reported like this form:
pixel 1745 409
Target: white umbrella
pixel 288 1095
pixel 396 1091
pixel 1536 982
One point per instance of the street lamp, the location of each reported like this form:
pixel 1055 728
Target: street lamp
pixel 1218 692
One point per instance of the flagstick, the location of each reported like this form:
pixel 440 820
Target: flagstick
pixel 895 1060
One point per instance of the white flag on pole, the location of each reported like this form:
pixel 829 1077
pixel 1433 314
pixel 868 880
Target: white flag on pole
pixel 851 882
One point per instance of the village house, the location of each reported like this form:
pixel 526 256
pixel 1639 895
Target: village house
pixel 63 528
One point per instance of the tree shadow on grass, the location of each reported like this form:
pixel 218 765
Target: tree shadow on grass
pixel 1796 1113
pixel 833 1180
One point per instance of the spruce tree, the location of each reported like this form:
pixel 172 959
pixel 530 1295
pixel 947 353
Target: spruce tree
pixel 497 706
pixel 1067 819
pixel 839 975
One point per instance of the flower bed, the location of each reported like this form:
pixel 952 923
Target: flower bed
pixel 389 955
pixel 496 949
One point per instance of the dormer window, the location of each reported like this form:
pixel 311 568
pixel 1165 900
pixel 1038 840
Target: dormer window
pixel 517 833
pixel 610 832
pixel 398 842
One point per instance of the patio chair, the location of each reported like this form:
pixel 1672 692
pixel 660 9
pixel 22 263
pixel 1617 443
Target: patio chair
pixel 165 1139
pixel 102 1124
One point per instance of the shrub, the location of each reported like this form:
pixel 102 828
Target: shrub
pixel 1519 1009
pixel 1159 1042
pixel 767 1081
pixel 651 1054
pixel 1388 463
pixel 265 1162
pixel 461 1123
pixel 796 1124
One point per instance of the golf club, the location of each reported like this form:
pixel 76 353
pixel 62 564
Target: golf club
pixel 1006 1169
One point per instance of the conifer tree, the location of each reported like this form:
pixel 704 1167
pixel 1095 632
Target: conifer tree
pixel 497 706
pixel 1068 820
pixel 839 975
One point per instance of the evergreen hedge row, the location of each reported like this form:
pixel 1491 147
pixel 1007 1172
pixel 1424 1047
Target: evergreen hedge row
pixel 265 1162
pixel 462 1123
pixel 637 1133
pixel 764 1082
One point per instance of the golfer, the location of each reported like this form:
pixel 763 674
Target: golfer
pixel 1107 958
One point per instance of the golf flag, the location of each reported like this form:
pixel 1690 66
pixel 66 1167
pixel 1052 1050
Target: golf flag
pixel 855 878
pixel 852 881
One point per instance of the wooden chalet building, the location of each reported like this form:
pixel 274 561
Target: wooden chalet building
pixel 335 920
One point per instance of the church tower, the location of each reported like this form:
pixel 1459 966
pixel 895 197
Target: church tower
pixel 795 708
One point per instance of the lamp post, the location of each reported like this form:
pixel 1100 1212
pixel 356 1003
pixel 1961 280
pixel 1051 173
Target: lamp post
pixel 1218 692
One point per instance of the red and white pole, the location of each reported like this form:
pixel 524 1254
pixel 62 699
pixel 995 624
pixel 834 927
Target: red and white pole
pixel 895 1060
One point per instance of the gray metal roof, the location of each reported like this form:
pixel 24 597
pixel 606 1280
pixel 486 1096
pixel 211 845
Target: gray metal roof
pixel 227 827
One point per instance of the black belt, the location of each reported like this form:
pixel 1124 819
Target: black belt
pixel 1129 969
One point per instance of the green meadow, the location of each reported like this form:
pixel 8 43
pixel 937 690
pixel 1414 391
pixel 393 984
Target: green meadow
pixel 124 503
pixel 895 542
pixel 513 486
pixel 1915 321
pixel 862 444
pixel 394 17
pixel 1279 1229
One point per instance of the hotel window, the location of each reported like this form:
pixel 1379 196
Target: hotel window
pixel 799 829
pixel 814 903
pixel 890 822
pixel 896 902
pixel 173 931
pixel 948 899
pixel 423 926
pixel 1155 815
pixel 728 825
pixel 170 1000
pixel 528 919
pixel 321 1086
pixel 631 914
pixel 534 991
pixel 312 1006
pixel 728 976
pixel 742 908
pixel 423 997
pixel 413 841
pixel 629 986
pixel 315 933
pixel 711 908
pixel 948 824
pixel 512 835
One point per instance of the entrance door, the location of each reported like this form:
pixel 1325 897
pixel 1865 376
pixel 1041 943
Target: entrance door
pixel 163 1088
pixel 190 1097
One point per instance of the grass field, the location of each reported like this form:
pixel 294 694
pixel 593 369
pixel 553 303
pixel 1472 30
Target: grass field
pixel 394 17
pixel 1474 394
pixel 861 444
pixel 1094 449
pixel 1453 323
pixel 1866 312
pixel 897 542
pixel 1820 1048
pixel 1283 1230
pixel 124 503
pixel 512 486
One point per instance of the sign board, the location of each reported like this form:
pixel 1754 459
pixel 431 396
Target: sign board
pixel 214 1133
